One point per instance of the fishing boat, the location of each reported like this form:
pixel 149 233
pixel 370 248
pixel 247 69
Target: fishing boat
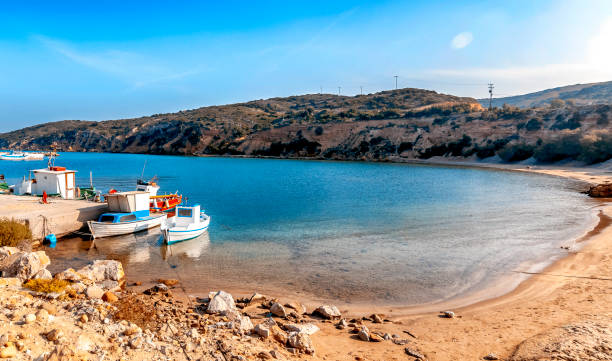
pixel 187 223
pixel 150 187
pixel 129 213
pixel 115 224
pixel 13 155
pixel 164 203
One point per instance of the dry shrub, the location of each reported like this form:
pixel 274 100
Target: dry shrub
pixel 47 286
pixel 12 232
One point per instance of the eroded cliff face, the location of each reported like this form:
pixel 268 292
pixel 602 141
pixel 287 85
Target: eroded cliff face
pixel 407 123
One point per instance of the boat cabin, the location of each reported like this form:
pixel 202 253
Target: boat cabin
pixel 187 215
pixel 123 217
pixel 52 180
pixel 126 202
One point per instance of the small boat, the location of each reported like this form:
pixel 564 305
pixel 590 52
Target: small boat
pixel 164 203
pixel 12 155
pixel 147 186
pixel 115 224
pixel 187 223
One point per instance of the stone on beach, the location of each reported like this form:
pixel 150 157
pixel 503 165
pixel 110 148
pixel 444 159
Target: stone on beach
pixel 22 265
pixel 364 334
pixel 278 310
pixel 109 297
pixel 8 351
pixel 413 353
pixel 307 328
pixel 221 302
pixel 94 292
pixel 301 341
pixel 101 270
pixel 328 311
pixel 447 314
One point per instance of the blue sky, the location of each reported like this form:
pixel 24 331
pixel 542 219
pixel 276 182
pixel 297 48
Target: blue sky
pixel 107 60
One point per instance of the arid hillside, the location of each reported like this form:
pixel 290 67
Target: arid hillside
pixel 577 94
pixel 386 126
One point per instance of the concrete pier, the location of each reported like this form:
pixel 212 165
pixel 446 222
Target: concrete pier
pixel 60 216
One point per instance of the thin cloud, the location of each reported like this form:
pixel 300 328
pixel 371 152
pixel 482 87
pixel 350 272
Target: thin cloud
pixel 135 69
pixel 462 40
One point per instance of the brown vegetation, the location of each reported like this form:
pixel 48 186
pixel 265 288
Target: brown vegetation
pixel 12 232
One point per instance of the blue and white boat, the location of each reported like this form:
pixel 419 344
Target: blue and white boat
pixel 187 223
pixel 128 213
pixel 115 224
pixel 12 155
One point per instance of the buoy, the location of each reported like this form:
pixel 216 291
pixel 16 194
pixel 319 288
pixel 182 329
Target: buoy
pixel 51 239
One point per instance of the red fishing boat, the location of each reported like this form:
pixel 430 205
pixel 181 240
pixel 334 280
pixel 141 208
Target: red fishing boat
pixel 164 203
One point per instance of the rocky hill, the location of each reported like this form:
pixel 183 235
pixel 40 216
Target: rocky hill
pixel 388 126
pixel 578 94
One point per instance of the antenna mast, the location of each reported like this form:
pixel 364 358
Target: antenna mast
pixel 491 86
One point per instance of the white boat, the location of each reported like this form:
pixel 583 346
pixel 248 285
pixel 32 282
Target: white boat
pixel 115 224
pixel 147 186
pixel 187 223
pixel 22 156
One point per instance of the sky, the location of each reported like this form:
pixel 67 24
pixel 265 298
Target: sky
pixel 98 60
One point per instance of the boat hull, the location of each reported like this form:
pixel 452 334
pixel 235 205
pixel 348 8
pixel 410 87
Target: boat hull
pixel 105 229
pixel 178 234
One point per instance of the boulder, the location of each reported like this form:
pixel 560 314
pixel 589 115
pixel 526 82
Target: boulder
pixel 364 334
pixel 301 341
pixel 262 330
pixel 447 314
pixel 278 334
pixel 244 324
pixel 257 298
pixel 221 302
pixel 307 328
pixel 299 308
pixel 68 275
pixel 278 310
pixel 101 270
pixel 23 265
pixel 7 251
pixel 43 274
pixel 603 190
pixel 328 311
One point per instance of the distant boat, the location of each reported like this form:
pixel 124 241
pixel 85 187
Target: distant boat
pixel 115 224
pixel 187 223
pixel 12 155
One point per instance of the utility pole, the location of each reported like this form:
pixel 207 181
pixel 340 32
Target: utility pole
pixel 361 87
pixel 395 76
pixel 339 90
pixel 491 86
pixel 321 92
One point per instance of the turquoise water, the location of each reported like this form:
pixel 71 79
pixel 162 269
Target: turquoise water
pixel 392 233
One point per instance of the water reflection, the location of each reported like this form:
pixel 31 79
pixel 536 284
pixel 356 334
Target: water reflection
pixel 193 248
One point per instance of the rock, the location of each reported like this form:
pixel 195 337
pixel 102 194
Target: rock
pixel 376 318
pixel 301 341
pixel 8 351
pixel 42 315
pixel 307 328
pixel 94 292
pixel 101 270
pixel 264 355
pixel 84 343
pixel 262 330
pixel 55 335
pixel 7 251
pixel 109 285
pixel 491 356
pixel 29 318
pixel 43 274
pixel 84 318
pixel 278 334
pixel 600 191
pixel 278 310
pixel 158 288
pixel 413 353
pixel 132 329
pixel 23 265
pixel 244 324
pixel 136 342
pixel 193 333
pixel 364 334
pixel 328 311
pixel 257 298
pixel 49 307
pixel 109 297
pixel 168 282
pixel 374 337
pixel 447 314
pixel 221 302
pixel 78 287
pixel 341 325
pixel 68 275
pixel 299 308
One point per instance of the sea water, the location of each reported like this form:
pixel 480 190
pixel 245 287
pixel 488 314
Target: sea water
pixel 349 231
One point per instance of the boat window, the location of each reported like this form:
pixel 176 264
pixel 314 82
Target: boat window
pixel 182 212
pixel 129 217
pixel 109 219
